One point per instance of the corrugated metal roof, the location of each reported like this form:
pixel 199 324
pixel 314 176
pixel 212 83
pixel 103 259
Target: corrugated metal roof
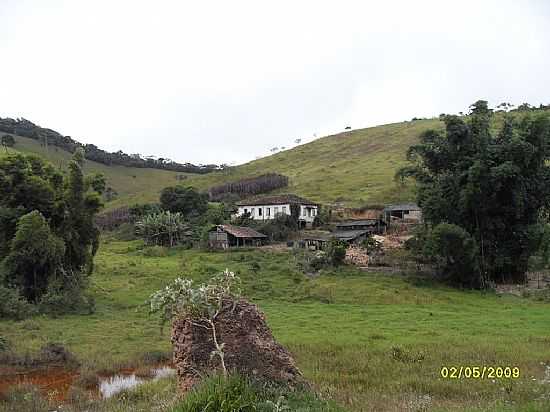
pixel 402 206
pixel 364 222
pixel 242 231
pixel 276 200
pixel 349 234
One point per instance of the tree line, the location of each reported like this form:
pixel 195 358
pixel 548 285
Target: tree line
pixel 49 137
pixel 249 186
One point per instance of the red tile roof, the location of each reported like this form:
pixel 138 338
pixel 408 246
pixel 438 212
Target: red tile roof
pixel 276 200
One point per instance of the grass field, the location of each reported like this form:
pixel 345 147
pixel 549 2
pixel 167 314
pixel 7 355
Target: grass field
pixel 133 185
pixel 369 342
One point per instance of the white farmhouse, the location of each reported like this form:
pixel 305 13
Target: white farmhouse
pixel 267 207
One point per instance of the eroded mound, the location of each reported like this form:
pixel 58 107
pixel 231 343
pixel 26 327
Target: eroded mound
pixel 249 347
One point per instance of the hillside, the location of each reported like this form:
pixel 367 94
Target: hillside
pixel 132 184
pixel 354 168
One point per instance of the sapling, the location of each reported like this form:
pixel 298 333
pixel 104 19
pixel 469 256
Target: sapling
pixel 202 304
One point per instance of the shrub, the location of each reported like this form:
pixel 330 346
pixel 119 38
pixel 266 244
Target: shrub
pixel 67 294
pixel 4 344
pixel 216 394
pixel 163 229
pixel 155 251
pixel 54 352
pixel 455 252
pixel 156 357
pixel 336 251
pixel 13 306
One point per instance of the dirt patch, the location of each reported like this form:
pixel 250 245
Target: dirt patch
pixel 249 347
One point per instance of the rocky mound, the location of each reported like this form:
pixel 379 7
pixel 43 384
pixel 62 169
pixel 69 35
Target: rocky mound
pixel 249 347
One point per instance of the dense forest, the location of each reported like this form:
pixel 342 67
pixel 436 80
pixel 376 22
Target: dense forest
pixel 47 137
pixel 249 186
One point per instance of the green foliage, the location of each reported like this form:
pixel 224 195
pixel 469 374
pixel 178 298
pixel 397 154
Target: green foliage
pixel 13 305
pixel 7 140
pixel 492 185
pixel 163 229
pixel 182 298
pixel 140 210
pixel 185 200
pixel 280 228
pixel 216 214
pixel 47 229
pixel 35 257
pixel 455 252
pixel 216 394
pixel 336 251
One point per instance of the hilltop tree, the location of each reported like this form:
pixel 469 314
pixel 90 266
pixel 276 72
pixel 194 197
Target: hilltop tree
pixel 491 187
pixel 7 141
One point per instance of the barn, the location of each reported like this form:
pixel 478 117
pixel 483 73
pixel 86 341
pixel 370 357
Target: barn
pixel 226 236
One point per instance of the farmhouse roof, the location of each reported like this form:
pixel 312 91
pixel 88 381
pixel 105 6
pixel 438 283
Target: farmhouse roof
pixel 402 206
pixel 276 200
pixel 241 231
pixel 349 234
pixel 363 222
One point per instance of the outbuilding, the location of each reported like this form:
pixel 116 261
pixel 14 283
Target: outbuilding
pixel 226 236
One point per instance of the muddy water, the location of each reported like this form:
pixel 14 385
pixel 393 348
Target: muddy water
pixel 54 383
pixel 114 384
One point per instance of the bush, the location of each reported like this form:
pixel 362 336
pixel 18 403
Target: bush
pixel 155 251
pixel 67 295
pixel 13 306
pixel 280 228
pixel 216 394
pixel 54 352
pixel 336 251
pixel 455 252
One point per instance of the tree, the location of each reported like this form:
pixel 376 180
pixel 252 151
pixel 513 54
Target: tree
pixel 35 257
pixel 456 253
pixel 493 185
pixel 336 251
pixel 8 141
pixel 47 231
pixel 185 200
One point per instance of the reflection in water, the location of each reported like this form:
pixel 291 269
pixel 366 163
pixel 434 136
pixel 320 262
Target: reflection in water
pixel 114 384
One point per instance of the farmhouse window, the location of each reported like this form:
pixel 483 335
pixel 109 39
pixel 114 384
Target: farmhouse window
pixel 259 211
pixel 245 211
pixel 268 211
pixel 275 210
pixel 284 210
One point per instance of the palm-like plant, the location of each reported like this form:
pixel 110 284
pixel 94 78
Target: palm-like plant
pixel 163 229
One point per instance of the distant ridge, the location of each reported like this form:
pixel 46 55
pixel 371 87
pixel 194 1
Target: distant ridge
pixel 49 137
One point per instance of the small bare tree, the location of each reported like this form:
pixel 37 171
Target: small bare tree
pixel 201 304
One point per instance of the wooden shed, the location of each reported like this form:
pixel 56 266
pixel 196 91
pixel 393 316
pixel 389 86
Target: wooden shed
pixel 226 236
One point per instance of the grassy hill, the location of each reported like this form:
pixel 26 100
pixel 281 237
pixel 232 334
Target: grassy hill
pixel 134 185
pixel 354 168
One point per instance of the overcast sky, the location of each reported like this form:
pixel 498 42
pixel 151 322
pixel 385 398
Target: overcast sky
pixel 226 81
